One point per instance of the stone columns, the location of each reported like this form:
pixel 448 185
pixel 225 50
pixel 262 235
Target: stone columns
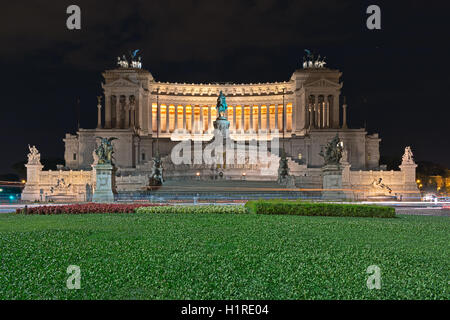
pixel 307 114
pixel 107 111
pixel 313 113
pixel 319 113
pixel 285 118
pixel 323 115
pixel 118 111
pixel 149 108
pixel 299 112
pixel 209 119
pixel 276 116
pixel 99 116
pixel 126 112
pixel 127 116
pixel 259 118
pixel 251 118
pixel 184 118
pixel 344 116
pixel 140 112
pixel 201 120
pixel 234 119
pixel 133 116
pixel 175 125
pixel 242 118
pixel 268 118
pixel 192 118
pixel 167 118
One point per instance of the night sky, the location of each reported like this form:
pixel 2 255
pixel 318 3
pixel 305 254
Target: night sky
pixel 396 79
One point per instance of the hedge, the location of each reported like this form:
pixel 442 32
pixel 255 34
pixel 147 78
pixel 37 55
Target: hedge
pixel 84 208
pixel 229 209
pixel 318 209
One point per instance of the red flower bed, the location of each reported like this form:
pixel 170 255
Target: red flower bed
pixel 85 208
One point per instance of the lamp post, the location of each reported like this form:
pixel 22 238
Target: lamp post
pixel 284 117
pixel 157 123
pixel 157 174
pixel 283 170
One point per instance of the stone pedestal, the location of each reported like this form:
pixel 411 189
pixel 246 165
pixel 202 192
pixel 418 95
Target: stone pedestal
pixel 222 125
pixel 31 192
pixel 332 179
pixel 105 183
pixel 411 191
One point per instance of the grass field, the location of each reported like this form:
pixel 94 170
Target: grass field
pixel 206 256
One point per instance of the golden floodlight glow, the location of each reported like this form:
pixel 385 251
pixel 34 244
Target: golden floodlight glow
pixel 23 181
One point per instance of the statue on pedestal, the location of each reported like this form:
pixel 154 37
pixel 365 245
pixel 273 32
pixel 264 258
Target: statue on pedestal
pixel 34 157
pixel 221 105
pixel 407 157
pixel 105 151
pixel 344 157
pixel 134 62
pixel 156 179
pixel 104 171
pixel 332 171
pixel 310 62
pixel 283 169
pixel 221 124
pixel 333 151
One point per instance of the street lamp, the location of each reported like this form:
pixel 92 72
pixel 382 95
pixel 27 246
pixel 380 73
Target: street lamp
pixel 283 171
pixel 157 123
pixel 284 117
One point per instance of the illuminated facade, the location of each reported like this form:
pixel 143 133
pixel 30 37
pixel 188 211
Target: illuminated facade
pixel 305 110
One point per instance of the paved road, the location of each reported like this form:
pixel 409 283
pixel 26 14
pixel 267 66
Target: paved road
pixel 430 211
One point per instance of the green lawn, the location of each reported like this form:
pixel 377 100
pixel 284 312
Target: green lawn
pixel 206 256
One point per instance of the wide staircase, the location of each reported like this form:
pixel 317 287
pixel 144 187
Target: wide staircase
pixel 216 191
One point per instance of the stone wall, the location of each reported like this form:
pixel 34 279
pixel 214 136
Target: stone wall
pixel 72 185
pixel 57 185
pixel 364 184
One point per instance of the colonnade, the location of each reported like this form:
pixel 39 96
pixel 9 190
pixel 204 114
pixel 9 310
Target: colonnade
pixel 120 111
pixel 319 111
pixel 198 119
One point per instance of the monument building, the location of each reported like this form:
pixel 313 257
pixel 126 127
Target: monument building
pixel 146 121
pixel 138 110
